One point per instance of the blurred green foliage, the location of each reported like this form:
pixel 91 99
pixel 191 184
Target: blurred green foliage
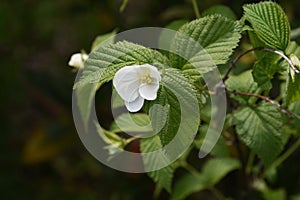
pixel 41 154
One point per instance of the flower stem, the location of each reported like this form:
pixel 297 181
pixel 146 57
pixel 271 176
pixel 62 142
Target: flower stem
pixel 123 6
pixel 196 8
pixel 295 33
pixel 286 154
pixel 190 168
pixel 250 162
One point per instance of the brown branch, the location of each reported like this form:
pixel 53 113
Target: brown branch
pixel 232 65
pixel 271 101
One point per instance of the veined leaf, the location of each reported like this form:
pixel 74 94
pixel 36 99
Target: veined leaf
pixel 205 42
pixel 213 171
pixel 293 48
pixel 220 9
pixel 220 149
pixel 137 123
pixel 163 177
pixel 103 40
pixel 104 62
pixel 270 23
pixel 166 35
pixel 266 67
pixel 293 84
pixel 84 98
pixel 295 108
pixel 242 83
pixel 216 169
pixel 175 94
pixel 260 128
pixel 102 65
pixel 187 185
pixel 293 90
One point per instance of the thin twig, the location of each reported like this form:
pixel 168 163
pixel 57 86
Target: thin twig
pixel 232 65
pixel 285 155
pixel 295 33
pixel 284 57
pixel 279 107
pixel 123 5
pixel 196 9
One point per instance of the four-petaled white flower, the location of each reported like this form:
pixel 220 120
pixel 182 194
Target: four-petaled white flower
pixel 77 60
pixel 136 83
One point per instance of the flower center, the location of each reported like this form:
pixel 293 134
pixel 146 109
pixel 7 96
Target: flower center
pixel 146 78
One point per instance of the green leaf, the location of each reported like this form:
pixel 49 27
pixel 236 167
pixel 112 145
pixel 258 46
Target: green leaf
pixel 167 116
pixel 103 40
pixel 163 177
pixel 295 108
pixel 166 35
pixel 187 185
pixel 293 83
pixel 219 150
pixel 268 194
pixel 269 23
pixel 220 9
pixel 267 65
pixel 205 42
pixel 256 42
pixel 275 194
pixel 278 194
pixel 216 169
pixel 242 83
pixel 295 197
pixel 168 124
pixel 213 171
pixel 115 143
pixel 84 97
pixel 260 128
pixel 293 90
pixel 102 65
pixel 134 123
pixel 104 62
pixel 293 48
pixel 265 68
pixel 173 112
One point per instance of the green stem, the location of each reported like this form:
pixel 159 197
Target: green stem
pixel 250 162
pixel 196 9
pixel 190 168
pixel 286 154
pixel 252 100
pixel 123 6
pixel 295 33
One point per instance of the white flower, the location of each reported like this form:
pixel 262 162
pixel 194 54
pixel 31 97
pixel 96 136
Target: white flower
pixel 135 84
pixel 77 60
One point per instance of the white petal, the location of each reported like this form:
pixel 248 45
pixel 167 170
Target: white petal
pixel 84 57
pixel 136 105
pixel 149 91
pixel 155 74
pixel 126 83
pixel 77 60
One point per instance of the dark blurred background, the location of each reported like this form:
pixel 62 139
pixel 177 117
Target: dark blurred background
pixel 41 155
